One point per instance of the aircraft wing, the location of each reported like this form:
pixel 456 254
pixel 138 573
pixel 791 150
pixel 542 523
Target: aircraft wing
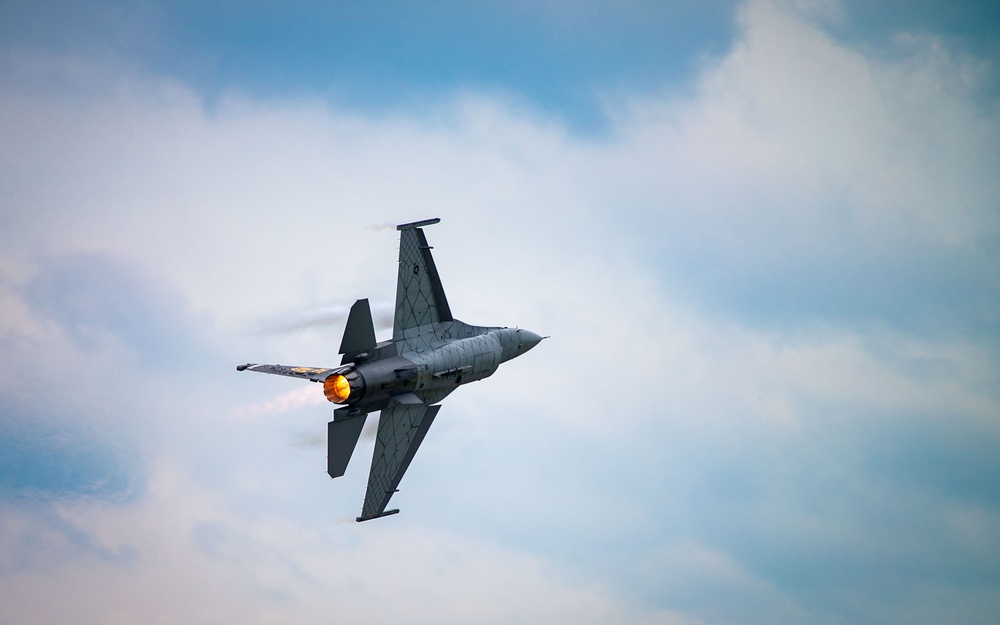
pixel 420 298
pixel 402 427
pixel 308 373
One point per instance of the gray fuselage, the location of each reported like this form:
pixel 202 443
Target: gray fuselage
pixel 431 363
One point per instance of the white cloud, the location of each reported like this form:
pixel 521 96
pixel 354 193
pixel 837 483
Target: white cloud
pixel 190 559
pixel 797 147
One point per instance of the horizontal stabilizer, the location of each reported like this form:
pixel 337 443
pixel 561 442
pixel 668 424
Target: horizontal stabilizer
pixel 341 439
pixel 359 335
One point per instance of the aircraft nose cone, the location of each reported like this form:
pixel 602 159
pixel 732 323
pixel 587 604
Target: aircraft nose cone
pixel 528 340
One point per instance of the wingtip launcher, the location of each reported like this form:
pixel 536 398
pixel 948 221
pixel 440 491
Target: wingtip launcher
pixel 418 224
pixel 378 516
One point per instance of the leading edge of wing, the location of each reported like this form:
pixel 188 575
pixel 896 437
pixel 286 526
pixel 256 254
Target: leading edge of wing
pixel 401 429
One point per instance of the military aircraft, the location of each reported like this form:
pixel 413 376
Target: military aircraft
pixel 431 353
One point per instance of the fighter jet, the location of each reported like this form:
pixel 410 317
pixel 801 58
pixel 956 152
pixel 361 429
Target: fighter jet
pixel 430 355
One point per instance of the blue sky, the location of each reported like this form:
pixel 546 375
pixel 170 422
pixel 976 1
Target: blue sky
pixel 561 57
pixel 763 236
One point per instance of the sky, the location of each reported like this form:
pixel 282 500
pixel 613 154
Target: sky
pixel 763 236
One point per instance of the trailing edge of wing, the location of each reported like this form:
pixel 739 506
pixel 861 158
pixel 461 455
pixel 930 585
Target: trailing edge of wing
pixel 401 429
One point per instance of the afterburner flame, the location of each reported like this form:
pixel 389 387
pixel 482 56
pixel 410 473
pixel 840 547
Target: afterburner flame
pixel 337 389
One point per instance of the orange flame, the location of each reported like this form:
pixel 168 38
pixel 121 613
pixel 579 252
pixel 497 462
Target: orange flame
pixel 337 389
